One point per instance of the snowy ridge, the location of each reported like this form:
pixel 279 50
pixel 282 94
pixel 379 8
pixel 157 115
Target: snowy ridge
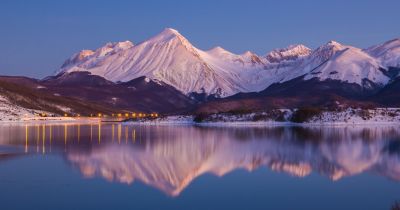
pixel 97 55
pixel 351 65
pixel 290 53
pixel 387 53
pixel 169 57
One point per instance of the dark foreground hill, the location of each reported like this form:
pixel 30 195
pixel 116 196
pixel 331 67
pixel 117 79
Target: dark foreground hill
pixel 87 94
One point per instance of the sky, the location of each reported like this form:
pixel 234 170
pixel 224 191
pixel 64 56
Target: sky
pixel 36 37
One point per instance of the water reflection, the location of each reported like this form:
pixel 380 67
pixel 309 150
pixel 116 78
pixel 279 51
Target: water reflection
pixel 169 158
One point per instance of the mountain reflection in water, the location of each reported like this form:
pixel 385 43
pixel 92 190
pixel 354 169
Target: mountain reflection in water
pixel 169 158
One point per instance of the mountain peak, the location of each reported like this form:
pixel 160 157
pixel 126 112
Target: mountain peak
pixel 77 57
pixel 292 52
pixel 170 34
pixel 248 53
pixel 124 45
pixel 328 49
pixel 170 31
pixel 218 51
pixel 333 43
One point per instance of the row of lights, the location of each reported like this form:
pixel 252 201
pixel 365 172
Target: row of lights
pixel 139 115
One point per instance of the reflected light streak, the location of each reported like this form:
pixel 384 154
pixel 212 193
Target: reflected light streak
pixel 26 138
pixel 79 132
pixel 126 134
pixel 112 132
pixel 99 133
pixel 37 138
pixel 119 133
pixel 133 135
pixel 51 135
pixel 65 135
pixel 91 132
pixel 44 139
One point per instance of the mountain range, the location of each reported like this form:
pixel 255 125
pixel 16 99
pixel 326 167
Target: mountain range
pixel 330 75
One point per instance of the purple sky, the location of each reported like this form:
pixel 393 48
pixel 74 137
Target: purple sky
pixel 37 36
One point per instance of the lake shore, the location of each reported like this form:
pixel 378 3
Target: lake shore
pixel 54 120
pixel 281 117
pixel 284 117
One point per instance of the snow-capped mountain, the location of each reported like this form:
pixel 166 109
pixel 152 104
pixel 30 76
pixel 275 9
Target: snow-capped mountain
pixel 340 62
pixel 171 58
pixel 335 61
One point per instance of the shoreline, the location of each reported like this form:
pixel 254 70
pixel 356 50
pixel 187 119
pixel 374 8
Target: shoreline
pixel 347 117
pixel 279 117
pixel 210 124
pixel 187 120
pixel 263 124
pixel 54 120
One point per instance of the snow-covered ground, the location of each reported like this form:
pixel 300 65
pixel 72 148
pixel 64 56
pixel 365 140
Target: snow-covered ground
pixel 11 112
pixel 283 117
pixel 359 116
pixel 167 120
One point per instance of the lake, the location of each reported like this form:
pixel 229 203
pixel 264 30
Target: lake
pixel 124 166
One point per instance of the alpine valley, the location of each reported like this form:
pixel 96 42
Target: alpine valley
pixel 167 74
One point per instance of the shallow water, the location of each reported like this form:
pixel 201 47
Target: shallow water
pixel 117 166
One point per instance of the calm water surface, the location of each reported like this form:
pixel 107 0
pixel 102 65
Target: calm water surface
pixel 118 166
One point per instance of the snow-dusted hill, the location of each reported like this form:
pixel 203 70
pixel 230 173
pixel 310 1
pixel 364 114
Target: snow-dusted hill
pixel 347 64
pixel 171 58
pixel 335 61
pixel 388 53
pixel 12 112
